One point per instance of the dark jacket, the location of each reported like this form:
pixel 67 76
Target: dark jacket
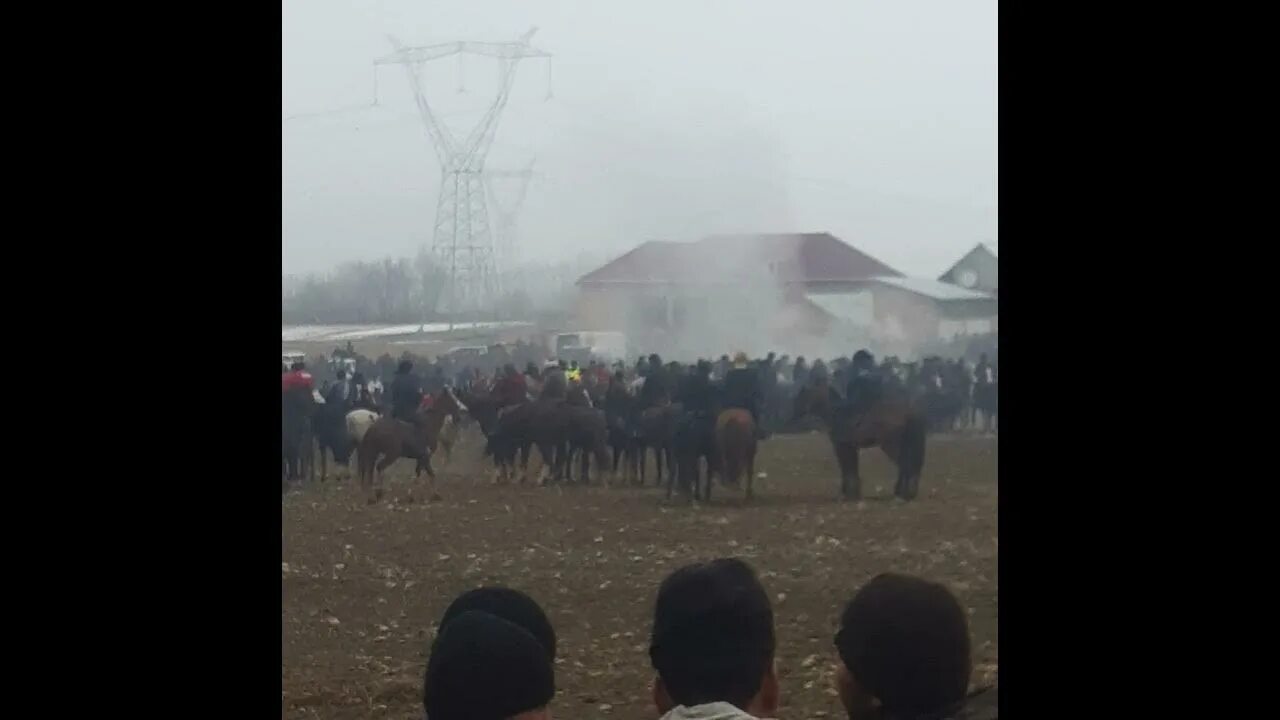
pixel 406 396
pixel 654 388
pixel 697 395
pixel 742 389
pixel 554 385
pixel 864 389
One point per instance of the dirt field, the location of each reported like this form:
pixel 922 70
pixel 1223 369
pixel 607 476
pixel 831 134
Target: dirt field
pixel 363 586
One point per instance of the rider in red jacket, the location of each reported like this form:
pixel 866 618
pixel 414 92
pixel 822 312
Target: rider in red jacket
pixel 297 377
pixel 511 389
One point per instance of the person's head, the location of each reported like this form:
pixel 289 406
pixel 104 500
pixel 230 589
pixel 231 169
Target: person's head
pixel 713 639
pixel 655 361
pixel 405 367
pixel 739 359
pixel 342 374
pixel 299 365
pixel 284 368
pixel 704 368
pixel 483 667
pixel 904 649
pixel 510 605
pixel 863 359
pixel 510 370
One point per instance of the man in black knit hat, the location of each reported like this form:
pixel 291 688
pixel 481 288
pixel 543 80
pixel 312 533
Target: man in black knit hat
pixel 510 605
pixel 485 668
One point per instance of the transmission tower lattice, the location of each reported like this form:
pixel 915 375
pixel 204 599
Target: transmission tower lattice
pixel 463 241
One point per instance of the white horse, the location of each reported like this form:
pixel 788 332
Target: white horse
pixel 358 423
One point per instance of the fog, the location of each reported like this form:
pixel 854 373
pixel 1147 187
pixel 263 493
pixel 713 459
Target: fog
pixel 665 119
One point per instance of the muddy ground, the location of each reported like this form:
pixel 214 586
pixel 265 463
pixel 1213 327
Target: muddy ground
pixel 362 587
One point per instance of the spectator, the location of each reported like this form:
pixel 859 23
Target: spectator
pixel 485 668
pixel 904 651
pixel 510 605
pixel 713 643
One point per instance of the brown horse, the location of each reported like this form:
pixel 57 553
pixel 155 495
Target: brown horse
pixel 892 422
pixel 393 439
pixel 736 442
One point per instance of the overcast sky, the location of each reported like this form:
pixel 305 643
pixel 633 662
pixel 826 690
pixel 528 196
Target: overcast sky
pixel 875 120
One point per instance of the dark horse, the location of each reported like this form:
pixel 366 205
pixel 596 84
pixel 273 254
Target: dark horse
pixel 297 409
pixel 892 423
pixel 694 440
pixel 558 427
pixel 657 430
pixel 393 439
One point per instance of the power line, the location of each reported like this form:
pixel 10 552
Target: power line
pixel 462 241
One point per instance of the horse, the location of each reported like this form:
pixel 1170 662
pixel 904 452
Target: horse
pixel 393 439
pixel 694 438
pixel 587 433
pixel 559 427
pixel 892 422
pixel 657 429
pixel 331 436
pixel 296 411
pixel 736 441
pixel 624 435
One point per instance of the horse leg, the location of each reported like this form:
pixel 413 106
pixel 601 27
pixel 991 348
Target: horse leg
pixel 842 451
pixel 586 467
pixel 706 491
pixel 380 483
pixel 547 451
pixel 424 465
pixel 324 463
pixel 751 470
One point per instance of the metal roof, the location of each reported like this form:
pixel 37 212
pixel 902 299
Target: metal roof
pixel 854 306
pixel 933 289
pixel 788 257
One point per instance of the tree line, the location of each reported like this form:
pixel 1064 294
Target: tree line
pixel 409 290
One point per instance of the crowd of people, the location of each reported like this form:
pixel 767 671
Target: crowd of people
pixel 958 394
pixel 902 652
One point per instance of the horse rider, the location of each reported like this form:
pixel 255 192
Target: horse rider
pixel 297 378
pixel 511 389
pixel 532 379
pixel 360 397
pixel 800 373
pixel 819 375
pixel 555 386
pixel 406 393
pixel 654 392
pixel 742 389
pixel 435 381
pixel 864 383
pixel 339 393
